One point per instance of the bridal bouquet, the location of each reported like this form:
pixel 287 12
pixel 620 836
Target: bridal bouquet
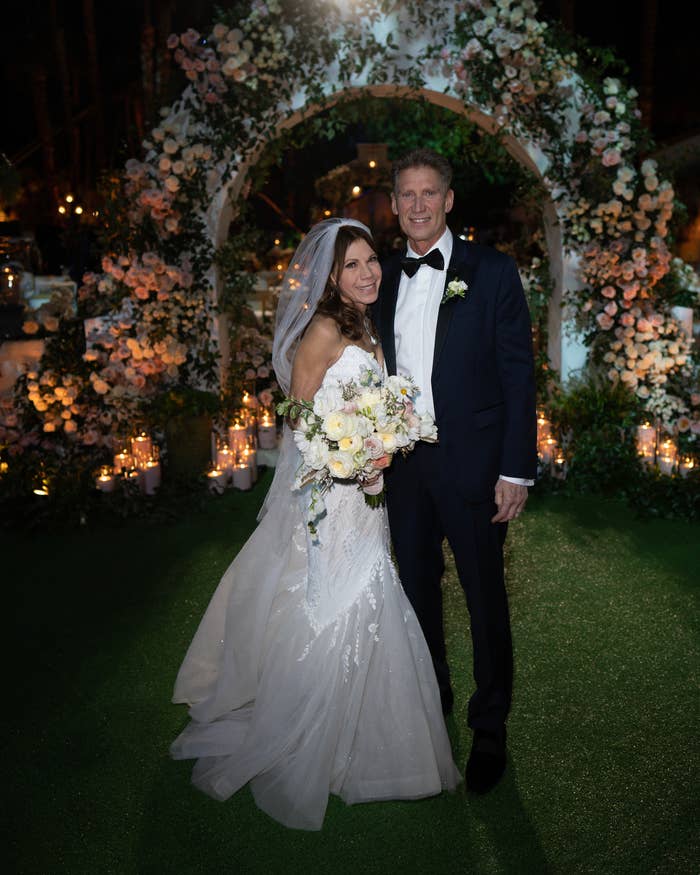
pixel 351 431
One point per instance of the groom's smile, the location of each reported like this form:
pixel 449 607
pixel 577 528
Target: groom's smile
pixel 421 202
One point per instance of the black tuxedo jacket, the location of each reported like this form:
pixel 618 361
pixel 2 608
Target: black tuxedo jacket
pixel 483 372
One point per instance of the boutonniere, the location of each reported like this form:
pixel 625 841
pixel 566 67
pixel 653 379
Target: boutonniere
pixel 455 288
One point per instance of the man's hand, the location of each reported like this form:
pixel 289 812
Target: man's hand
pixel 510 500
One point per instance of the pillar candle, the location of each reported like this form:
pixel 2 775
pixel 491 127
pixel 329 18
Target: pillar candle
pixel 267 434
pixel 150 477
pixel 237 437
pixel 141 449
pixel 217 480
pixel 225 460
pixel 548 449
pixel 666 464
pixel 105 482
pixel 122 462
pixel 686 466
pixel 242 476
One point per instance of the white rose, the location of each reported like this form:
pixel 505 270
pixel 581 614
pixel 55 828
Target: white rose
pixel 350 444
pixel 368 399
pixel 388 440
pixel 340 464
pixel 338 425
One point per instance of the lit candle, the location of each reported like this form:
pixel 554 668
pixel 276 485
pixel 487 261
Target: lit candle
pixel 646 442
pixel 106 481
pixel 225 460
pixel 667 456
pixel 242 476
pixel 686 466
pixel 267 433
pixel 548 449
pixel 122 462
pixel 150 478
pixel 559 467
pixel 250 402
pixel 543 427
pixel 666 464
pixel 141 449
pixel 237 437
pixel 217 480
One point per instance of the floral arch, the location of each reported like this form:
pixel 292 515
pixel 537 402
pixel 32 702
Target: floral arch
pixel 264 67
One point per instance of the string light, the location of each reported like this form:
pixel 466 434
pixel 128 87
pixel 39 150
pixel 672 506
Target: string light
pixel 356 190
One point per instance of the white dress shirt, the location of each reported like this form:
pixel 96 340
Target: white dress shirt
pixel 415 322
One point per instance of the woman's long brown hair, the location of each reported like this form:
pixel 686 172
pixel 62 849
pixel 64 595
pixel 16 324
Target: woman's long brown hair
pixel 349 319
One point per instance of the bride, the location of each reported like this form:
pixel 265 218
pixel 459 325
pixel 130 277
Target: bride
pixel 309 673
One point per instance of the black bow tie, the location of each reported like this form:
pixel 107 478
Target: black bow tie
pixel 433 259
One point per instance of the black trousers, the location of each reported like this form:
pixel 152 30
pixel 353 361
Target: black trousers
pixel 424 509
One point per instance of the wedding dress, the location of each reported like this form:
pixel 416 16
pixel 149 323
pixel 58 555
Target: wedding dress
pixel 309 673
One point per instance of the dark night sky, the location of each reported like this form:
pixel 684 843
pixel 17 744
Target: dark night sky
pixel 28 41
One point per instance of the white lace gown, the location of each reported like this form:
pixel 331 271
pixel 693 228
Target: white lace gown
pixel 309 673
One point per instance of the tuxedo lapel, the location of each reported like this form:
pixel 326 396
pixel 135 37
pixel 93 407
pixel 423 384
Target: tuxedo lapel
pixel 387 308
pixel 461 267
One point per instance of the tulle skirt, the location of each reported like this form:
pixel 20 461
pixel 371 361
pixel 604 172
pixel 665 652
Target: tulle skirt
pixel 309 674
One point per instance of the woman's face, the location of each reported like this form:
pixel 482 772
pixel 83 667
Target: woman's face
pixel 360 275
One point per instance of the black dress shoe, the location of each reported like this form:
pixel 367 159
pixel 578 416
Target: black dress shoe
pixel 447 699
pixel 487 760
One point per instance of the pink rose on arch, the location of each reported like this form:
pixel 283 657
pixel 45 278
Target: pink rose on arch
pixel 627 319
pixel 608 291
pixel 611 157
pixel 173 41
pixel 610 308
pixel 605 322
pixel 250 374
pixel 265 398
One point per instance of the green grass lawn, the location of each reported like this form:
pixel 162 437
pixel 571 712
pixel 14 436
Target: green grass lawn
pixel 603 770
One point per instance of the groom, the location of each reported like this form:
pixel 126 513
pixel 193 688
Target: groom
pixel 453 315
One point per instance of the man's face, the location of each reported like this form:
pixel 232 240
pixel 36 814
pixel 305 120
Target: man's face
pixel 422 205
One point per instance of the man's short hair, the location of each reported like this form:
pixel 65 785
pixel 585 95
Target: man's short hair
pixel 423 158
